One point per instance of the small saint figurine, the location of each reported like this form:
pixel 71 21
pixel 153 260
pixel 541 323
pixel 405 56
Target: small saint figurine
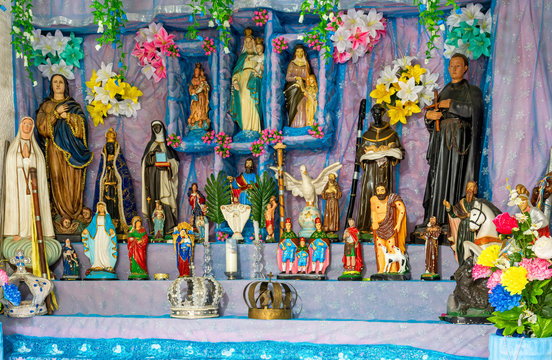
pixel 332 194
pixel 319 249
pixel 352 253
pixel 158 219
pixel 520 197
pixel 269 219
pixel 311 93
pixel 100 245
pixel 302 255
pixel 63 129
pixel 244 181
pixel 183 238
pixel 287 249
pixel 114 184
pixel 431 234
pixel 160 178
pixel 199 106
pixel 389 225
pixel 71 264
pixel 137 250
pixel 298 88
pixel 196 200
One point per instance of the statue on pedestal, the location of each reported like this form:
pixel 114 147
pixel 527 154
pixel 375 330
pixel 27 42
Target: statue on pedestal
pixel 300 90
pixel 380 151
pixel 199 106
pixel 236 215
pixel 63 130
pixel 352 253
pixel 431 234
pixel 160 178
pixel 245 106
pixel 332 194
pixel 114 185
pixel 137 250
pixel 183 238
pixel 389 225
pixel 100 245
pixel 454 150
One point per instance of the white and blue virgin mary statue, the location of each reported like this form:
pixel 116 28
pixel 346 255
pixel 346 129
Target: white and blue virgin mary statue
pixel 100 246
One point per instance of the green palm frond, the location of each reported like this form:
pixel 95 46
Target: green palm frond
pixel 218 193
pixel 259 196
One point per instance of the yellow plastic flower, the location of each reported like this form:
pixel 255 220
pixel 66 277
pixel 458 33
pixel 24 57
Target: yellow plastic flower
pixel 514 279
pixel 92 82
pixel 98 111
pixel 404 78
pixel 415 71
pixel 381 94
pixel 411 108
pixel 489 256
pixel 113 88
pixel 397 113
pixel 132 93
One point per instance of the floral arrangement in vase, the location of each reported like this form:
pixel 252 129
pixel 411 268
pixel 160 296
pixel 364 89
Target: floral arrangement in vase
pixel 56 54
pixel 279 44
pixel 108 94
pixel 519 277
pixel 222 141
pixel 469 32
pixel 153 45
pixel 404 88
pixel 355 33
pixel 268 136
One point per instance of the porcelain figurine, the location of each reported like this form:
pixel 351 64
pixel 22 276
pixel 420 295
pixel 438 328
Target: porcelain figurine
pixel 100 246
pixel 269 219
pixel 199 104
pixel 160 178
pixel 114 185
pixel 298 89
pixel 287 248
pixel 352 253
pixel 137 250
pixel 196 200
pixel 63 129
pixel 520 197
pixel 309 189
pixel 244 182
pixel 389 226
pixel 431 234
pixel 303 257
pixel 183 238
pixel 332 194
pixel 236 215
pixel 158 219
pixel 319 248
pixel 245 104
pixel 71 266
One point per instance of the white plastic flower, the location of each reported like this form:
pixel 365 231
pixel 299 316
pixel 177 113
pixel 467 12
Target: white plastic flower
pixel 35 39
pixel 105 73
pixel 543 247
pixel 102 95
pixel 426 97
pixel 388 76
pixel 211 23
pixel 129 108
pixel 453 20
pixel 148 71
pixel 520 217
pixel 141 36
pixel 116 108
pixel 354 19
pixel 404 61
pixel 89 95
pixel 46 44
pixel 59 42
pixel 301 18
pixel 449 50
pixel 486 24
pixel 341 39
pixel 358 52
pixel 471 12
pixel 409 90
pixel 429 80
pixel 48 69
pixel 373 22
pixel 226 24
pixel 226 50
pixel 153 30
pixel 65 70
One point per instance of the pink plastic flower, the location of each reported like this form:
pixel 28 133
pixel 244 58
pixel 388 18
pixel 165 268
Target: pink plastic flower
pixel 359 38
pixel 150 50
pixel 163 40
pixel 480 272
pixel 537 268
pixel 341 58
pixel 4 279
pixel 494 280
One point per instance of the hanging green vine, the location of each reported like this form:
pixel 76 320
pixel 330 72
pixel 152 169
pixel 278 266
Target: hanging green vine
pixel 433 19
pixel 319 37
pixel 111 19
pixel 22 33
pixel 220 11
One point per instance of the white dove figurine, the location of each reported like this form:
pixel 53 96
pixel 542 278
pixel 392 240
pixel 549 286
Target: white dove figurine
pixel 308 188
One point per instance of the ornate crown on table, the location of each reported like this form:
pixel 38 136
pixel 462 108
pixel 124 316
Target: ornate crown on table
pixel 195 297
pixel 269 300
pixel 39 288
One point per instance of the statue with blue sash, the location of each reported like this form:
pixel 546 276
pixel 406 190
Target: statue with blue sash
pixel 100 246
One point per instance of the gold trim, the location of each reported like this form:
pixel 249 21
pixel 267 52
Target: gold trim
pixel 269 314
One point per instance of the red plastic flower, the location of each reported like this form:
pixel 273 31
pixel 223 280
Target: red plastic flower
pixel 359 38
pixel 505 223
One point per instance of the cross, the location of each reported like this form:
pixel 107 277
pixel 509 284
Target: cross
pixel 436 107
pixel 270 277
pixel 20 260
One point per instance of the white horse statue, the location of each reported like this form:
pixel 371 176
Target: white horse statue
pixel 481 223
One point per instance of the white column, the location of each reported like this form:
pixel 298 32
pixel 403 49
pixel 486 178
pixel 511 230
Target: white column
pixel 7 110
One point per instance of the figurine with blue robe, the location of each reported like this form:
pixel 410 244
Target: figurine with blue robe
pixel 302 255
pixel 71 264
pixel 183 238
pixel 245 181
pixel 114 185
pixel 100 246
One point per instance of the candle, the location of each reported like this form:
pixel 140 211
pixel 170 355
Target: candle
pixel 206 227
pixel 231 256
pixel 256 229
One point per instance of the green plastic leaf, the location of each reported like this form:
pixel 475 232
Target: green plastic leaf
pixel 543 327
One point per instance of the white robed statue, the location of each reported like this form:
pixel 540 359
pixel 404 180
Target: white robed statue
pixel 24 154
pixel 236 215
pixel 100 245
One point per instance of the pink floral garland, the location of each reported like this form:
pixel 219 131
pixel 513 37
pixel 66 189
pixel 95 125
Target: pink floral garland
pixel 268 136
pixel 279 44
pixel 261 17
pixel 222 140
pixel 208 46
pixel 174 140
pixel 316 132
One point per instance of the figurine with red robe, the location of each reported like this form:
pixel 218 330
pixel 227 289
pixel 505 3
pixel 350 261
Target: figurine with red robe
pixel 352 254
pixel 183 238
pixel 137 246
pixel 287 248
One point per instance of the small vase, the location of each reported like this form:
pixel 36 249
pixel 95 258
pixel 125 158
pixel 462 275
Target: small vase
pixel 518 348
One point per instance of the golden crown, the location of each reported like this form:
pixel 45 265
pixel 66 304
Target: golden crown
pixel 269 300
pixel 111 135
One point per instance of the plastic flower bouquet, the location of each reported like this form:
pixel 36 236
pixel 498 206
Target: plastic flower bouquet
pixel 153 45
pixel 268 136
pixel 404 88
pixel 519 275
pixel 469 32
pixel 56 54
pixel 108 94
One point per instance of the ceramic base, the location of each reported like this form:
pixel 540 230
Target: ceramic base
pixel 70 277
pixel 350 276
pixel 138 277
pixel 465 319
pixel 313 276
pixel 430 277
pixel 366 237
pixel 391 277
pixel 101 275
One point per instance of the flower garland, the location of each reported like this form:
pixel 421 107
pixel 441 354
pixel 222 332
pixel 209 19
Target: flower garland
pixel 111 19
pixel 355 34
pixel 153 45
pixel 325 10
pixel 222 141
pixel 316 132
pixel 174 140
pixel 261 17
pixel 268 137
pixel 209 46
pixel 279 44
pixel 469 32
pixel 22 34
pixel 221 12
pixel 432 18
pixel 107 94
pixel 519 276
pixel 403 88
pixel 56 54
